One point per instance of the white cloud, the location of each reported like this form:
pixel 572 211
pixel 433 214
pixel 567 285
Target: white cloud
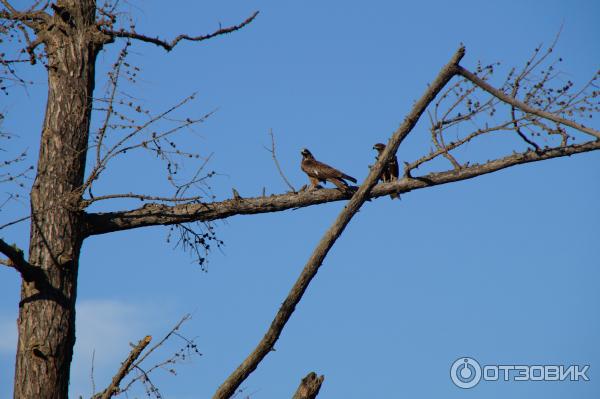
pixel 106 326
pixel 104 329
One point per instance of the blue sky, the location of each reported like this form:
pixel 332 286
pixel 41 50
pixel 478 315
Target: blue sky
pixel 503 268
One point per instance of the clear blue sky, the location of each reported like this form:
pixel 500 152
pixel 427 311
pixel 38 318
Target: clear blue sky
pixel 503 268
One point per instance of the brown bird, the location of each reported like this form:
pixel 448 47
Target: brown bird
pixel 390 171
pixel 320 172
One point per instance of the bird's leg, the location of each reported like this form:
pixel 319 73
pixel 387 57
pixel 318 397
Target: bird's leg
pixel 314 183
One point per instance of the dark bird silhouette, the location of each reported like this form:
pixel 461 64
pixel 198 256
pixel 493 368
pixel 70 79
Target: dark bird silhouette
pixel 320 172
pixel 390 171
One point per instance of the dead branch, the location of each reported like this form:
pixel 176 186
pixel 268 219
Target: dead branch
pixel 143 374
pixel 446 148
pixel 168 46
pixel 19 220
pixel 141 197
pixel 125 368
pixel 9 6
pixel 315 261
pixel 165 338
pixel 530 65
pixel 113 77
pixel 152 143
pixel 309 386
pixel 155 214
pixel 17 261
pixel 30 18
pixel 523 106
pixel 274 156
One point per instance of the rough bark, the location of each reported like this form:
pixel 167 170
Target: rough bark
pixel 159 214
pixel 309 387
pixel 46 321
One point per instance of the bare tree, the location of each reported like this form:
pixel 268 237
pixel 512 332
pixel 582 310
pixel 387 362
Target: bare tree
pixel 66 37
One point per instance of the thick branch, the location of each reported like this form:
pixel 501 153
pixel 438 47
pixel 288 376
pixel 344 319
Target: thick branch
pixel 170 45
pixel 30 273
pixel 309 386
pixel 155 214
pixel 522 106
pixel 315 261
pixel 113 388
pixel 17 261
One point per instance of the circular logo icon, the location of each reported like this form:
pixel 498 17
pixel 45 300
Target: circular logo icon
pixel 465 372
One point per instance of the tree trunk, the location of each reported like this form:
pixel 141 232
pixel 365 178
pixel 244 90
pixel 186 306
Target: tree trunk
pixel 47 318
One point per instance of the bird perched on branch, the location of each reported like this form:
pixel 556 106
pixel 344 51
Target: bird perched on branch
pixel 390 171
pixel 320 172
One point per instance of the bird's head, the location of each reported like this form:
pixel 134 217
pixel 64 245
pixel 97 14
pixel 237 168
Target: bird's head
pixel 379 147
pixel 306 154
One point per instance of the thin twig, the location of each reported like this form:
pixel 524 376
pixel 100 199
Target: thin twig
pixel 274 156
pixel 14 222
pixel 141 197
pixel 170 45
pixel 525 107
pixel 92 373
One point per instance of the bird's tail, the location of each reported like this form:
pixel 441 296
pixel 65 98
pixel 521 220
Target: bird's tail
pixel 352 179
pixel 339 183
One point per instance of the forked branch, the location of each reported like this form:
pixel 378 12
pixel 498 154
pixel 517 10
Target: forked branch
pixel 156 214
pixel 125 368
pixel 315 261
pixel 525 107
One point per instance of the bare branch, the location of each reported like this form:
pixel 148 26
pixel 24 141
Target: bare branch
pixel 141 197
pixel 155 214
pixel 165 338
pixel 17 261
pixel 122 147
pixel 143 375
pixel 125 368
pixel 519 132
pixel 309 386
pixel 274 156
pixel 170 45
pixel 522 106
pixel 31 45
pixel 30 18
pixel 453 145
pixel 14 222
pixel 315 261
pixel 9 6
